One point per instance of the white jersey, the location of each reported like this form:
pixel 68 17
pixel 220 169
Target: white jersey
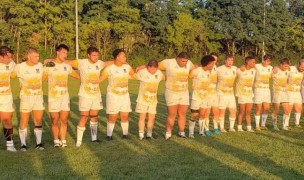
pixel 213 81
pixel 118 78
pixel 226 77
pixel 176 76
pixel 200 84
pixel 89 72
pixel 294 79
pixel 280 81
pixel 262 77
pixel 147 94
pixel 57 80
pixel 245 82
pixel 30 78
pixel 5 85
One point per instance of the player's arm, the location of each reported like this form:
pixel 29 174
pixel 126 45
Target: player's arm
pixel 73 63
pixel 132 74
pixel 191 74
pixel 108 63
pixel 74 74
pixel 275 70
pixel 13 75
pixel 103 76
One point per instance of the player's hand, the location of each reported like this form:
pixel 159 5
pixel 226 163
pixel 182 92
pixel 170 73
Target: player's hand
pixel 242 68
pixel 275 69
pixel 138 68
pixel 47 60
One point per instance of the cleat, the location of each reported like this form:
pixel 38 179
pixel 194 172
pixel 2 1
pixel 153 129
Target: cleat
pixel 125 137
pixel 39 146
pixel 149 137
pixel 78 144
pixel 64 144
pixel 11 148
pixel 285 128
pixel 240 130
pixel 109 138
pixel 251 130
pixel 141 138
pixel 23 148
pixel 96 141
pixel 202 134
pixel 182 136
pixel 258 128
pixel 298 126
pixel 223 131
pixel 231 130
pixel 57 145
pixel 208 133
pixel 216 131
pixel 264 128
pixel 167 136
pixel 191 136
pixel 275 128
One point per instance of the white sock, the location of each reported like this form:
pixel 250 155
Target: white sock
pixel 191 126
pixel 206 124
pixel 264 118
pixel 23 135
pixel 297 118
pixel 285 120
pixel 240 127
pixel 181 133
pixel 80 131
pixel 168 135
pixel 201 123
pixel 38 134
pixel 215 123
pixel 125 127
pixel 149 133
pixel 10 143
pixel 56 141
pixel 231 123
pixel 141 134
pixel 248 128
pixel 110 128
pixel 257 120
pixel 63 141
pixel 221 122
pixel 94 127
pixel 274 120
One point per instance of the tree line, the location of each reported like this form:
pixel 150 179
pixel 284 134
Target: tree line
pixel 155 28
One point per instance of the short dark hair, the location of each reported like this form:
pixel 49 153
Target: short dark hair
pixel 284 61
pixel 248 58
pixel 4 50
pixel 214 54
pixel 32 50
pixel 152 63
pixel 206 60
pixel 184 55
pixel 116 52
pixel 229 56
pixel 62 46
pixel 92 49
pixel 268 57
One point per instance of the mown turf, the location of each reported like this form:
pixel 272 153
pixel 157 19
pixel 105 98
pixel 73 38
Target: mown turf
pixel 260 155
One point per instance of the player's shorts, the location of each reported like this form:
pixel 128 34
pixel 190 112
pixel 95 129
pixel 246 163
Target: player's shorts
pixel 60 104
pixel 213 100
pixel 116 104
pixel 227 101
pixel 280 97
pixel 262 95
pixel 142 108
pixel 196 105
pixel 174 98
pixel 31 103
pixel 245 100
pixel 7 106
pixel 294 98
pixel 87 104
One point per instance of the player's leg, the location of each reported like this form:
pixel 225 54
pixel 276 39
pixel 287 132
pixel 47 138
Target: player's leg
pixel 110 125
pixel 84 115
pixel 205 116
pixel 94 125
pixel 286 116
pixel 24 119
pixel 124 122
pixel 181 121
pixel 242 109
pixel 64 117
pixel 247 116
pixel 6 119
pixel 55 127
pixel 37 118
pixel 150 125
pixel 172 112
pixel 257 115
pixel 266 107
pixel 298 110
pixel 276 108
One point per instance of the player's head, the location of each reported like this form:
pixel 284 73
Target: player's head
pixel 284 64
pixel 267 59
pixel 182 59
pixel 208 62
pixel 152 66
pixel 120 55
pixel 301 65
pixel 229 60
pixel 32 55
pixel 62 52
pixel 250 61
pixel 215 55
pixel 93 54
pixel 6 53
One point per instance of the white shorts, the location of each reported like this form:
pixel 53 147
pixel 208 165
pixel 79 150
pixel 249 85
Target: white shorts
pixel 141 108
pixel 30 103
pixel 60 104
pixel 173 98
pixel 116 104
pixel 294 98
pixel 245 100
pixel 262 95
pixel 227 101
pixel 87 104
pixel 7 106
pixel 280 97
pixel 196 105
pixel 213 100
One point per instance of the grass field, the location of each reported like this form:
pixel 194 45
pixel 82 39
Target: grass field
pixel 260 155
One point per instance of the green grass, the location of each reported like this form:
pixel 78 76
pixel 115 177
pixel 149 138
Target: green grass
pixel 260 155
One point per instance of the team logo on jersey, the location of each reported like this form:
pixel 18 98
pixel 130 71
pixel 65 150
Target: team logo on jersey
pixel 207 75
pixel 268 69
pixel 97 68
pixel 65 68
pixel 156 76
pixel 7 68
pixel 37 71
pixel 286 73
pixel 125 71
pixel 233 72
pixel 251 72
